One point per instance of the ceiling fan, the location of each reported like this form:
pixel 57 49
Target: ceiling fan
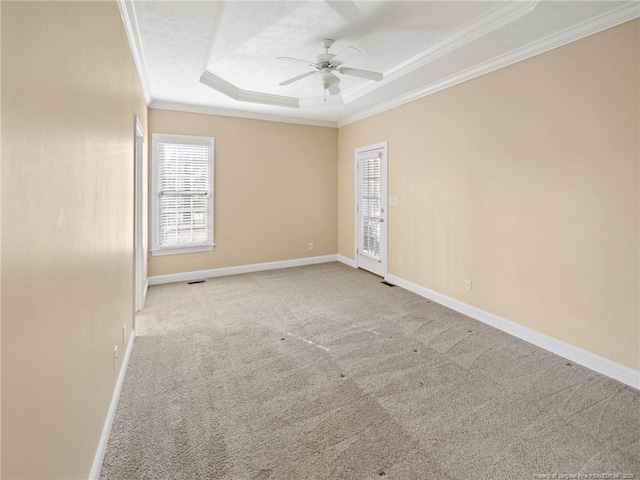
pixel 327 63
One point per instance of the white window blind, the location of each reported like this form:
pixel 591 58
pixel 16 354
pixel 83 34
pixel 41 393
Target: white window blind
pixel 370 204
pixel 183 193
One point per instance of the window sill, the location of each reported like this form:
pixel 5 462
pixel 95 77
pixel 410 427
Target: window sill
pixel 181 250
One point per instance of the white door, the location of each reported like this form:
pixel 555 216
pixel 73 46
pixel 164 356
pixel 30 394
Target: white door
pixel 371 208
pixel 139 253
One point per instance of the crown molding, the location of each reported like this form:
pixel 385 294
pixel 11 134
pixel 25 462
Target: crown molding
pixel 477 28
pixel 231 91
pixel 496 18
pixel 128 15
pixel 623 14
pixel 480 26
pixel 222 112
pixel 220 85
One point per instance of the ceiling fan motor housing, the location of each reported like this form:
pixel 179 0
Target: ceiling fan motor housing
pixel 324 59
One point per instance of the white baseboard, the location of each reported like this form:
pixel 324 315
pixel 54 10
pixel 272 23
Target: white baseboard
pixel 347 261
pixel 223 272
pixel 104 438
pixel 577 355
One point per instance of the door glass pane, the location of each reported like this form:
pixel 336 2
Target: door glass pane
pixel 370 207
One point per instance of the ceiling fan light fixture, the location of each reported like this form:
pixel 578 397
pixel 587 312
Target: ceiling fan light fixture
pixel 327 78
pixel 328 63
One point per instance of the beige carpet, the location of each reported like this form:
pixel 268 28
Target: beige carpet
pixel 322 372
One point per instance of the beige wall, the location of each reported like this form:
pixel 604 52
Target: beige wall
pixel 70 92
pixel 275 190
pixel 526 181
pixel 0 241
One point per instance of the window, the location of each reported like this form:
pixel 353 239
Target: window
pixel 182 194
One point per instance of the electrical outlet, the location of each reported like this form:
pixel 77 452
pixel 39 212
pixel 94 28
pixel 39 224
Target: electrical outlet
pixel 124 333
pixel 311 246
pixel 467 285
pixel 115 357
pixel 400 263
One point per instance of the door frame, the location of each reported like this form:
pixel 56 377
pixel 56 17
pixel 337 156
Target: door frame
pixel 138 218
pixel 384 171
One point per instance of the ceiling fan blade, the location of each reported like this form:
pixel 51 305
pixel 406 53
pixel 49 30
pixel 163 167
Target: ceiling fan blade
pixel 299 60
pixel 334 89
pixel 345 55
pixel 295 79
pixel 356 72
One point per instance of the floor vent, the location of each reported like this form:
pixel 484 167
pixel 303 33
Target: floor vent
pixel 384 282
pixel 195 281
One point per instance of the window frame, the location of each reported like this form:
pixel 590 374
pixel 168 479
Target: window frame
pixel 156 248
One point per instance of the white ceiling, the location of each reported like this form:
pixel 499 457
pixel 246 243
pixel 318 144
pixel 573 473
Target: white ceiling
pixel 420 47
